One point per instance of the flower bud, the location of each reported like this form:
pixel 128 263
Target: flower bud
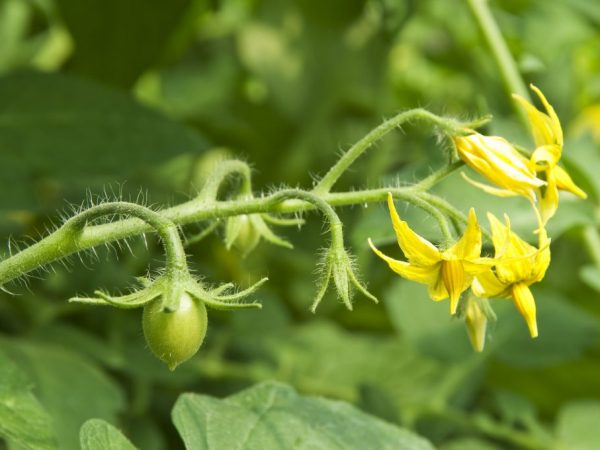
pixel 497 160
pixel 241 234
pixel 477 312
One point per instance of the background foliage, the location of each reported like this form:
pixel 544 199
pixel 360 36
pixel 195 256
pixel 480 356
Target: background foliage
pixel 133 98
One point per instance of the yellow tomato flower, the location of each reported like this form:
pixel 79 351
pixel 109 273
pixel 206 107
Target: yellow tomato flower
pixel 518 265
pixel 497 160
pixel 548 137
pixel 446 273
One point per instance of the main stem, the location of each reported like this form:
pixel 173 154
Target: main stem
pixel 73 237
pixel 65 241
pixel 506 63
pixel 165 228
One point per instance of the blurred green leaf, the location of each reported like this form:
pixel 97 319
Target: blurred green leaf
pixel 23 420
pixel 470 444
pixel 583 155
pixel 565 332
pixel 273 416
pixel 536 383
pixel 96 434
pixel 127 352
pixel 591 276
pixel 577 427
pixel 139 33
pixel 427 324
pixel 321 358
pixel 515 409
pixel 69 387
pixel 58 132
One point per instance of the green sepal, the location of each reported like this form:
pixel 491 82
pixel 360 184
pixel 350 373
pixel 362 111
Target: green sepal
pixel 216 298
pixel 337 264
pixel 283 221
pixel 129 301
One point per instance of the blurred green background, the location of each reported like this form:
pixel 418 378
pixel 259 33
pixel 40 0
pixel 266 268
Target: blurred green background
pixel 133 99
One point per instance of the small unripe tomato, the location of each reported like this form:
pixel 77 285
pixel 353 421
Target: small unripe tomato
pixel 176 336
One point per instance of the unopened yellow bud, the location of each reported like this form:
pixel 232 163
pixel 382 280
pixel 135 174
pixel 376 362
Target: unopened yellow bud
pixel 476 321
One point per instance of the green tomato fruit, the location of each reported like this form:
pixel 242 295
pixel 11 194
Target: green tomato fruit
pixel 176 336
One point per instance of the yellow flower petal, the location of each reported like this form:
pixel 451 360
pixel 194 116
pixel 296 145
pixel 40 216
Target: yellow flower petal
pixel 420 274
pixel 478 265
pixel 469 245
pixel 545 127
pixel 556 128
pixel 542 257
pixel 546 156
pixel 549 198
pixel 417 250
pixel 565 183
pixel 437 290
pixel 497 160
pixel 523 299
pixel 487 284
pixel 455 281
pixel 496 191
pixel 515 257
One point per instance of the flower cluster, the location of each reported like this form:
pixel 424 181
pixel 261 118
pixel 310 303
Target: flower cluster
pixel 537 176
pixel 451 271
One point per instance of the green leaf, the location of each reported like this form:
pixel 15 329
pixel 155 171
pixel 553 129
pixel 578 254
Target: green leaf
pixel 427 324
pixel 273 416
pixel 120 55
pixel 470 444
pixel 577 426
pixel 23 420
pixel 515 409
pixel 323 359
pixel 70 388
pixel 590 275
pixel 97 434
pixel 59 133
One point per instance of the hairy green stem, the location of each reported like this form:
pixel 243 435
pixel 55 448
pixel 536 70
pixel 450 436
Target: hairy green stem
pixel 207 231
pixel 448 125
pixel 427 183
pixel 57 245
pixel 164 227
pixel 72 238
pixel 221 172
pixel 437 215
pixel 75 236
pixel 449 210
pixel 506 63
pixel 335 223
